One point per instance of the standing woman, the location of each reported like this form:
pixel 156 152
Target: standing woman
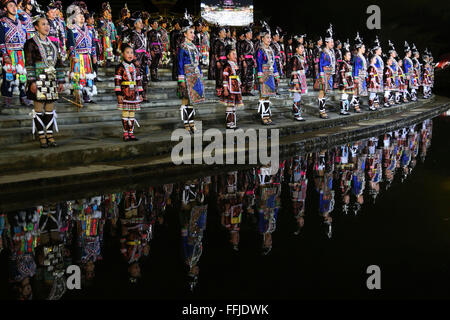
pixel 82 53
pixel 359 73
pixel 45 73
pixel 138 41
pixel 268 76
pixel 327 69
pixel 298 71
pixel 190 77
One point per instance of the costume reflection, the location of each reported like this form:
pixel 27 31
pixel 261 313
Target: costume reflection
pixel 359 156
pixel 53 255
pixel 230 205
pixel 344 174
pixel 194 210
pixel 298 184
pixel 374 167
pixel 22 241
pixel 89 221
pixel 425 138
pixel 323 180
pixel 268 203
pixel 137 226
pixel 389 158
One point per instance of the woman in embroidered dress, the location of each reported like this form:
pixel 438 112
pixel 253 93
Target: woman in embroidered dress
pixel 128 88
pixel 298 68
pixel 190 76
pixel 267 75
pixel 82 54
pixel 45 75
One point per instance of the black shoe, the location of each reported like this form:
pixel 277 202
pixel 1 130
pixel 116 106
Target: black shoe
pixel 52 144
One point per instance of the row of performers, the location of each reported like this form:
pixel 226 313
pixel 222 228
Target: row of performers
pixel 41 242
pixel 78 40
pixel 362 77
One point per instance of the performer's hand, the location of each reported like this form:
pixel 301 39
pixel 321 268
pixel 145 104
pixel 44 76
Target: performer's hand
pixel 218 65
pixel 278 81
pixel 94 60
pixel 75 60
pixel 261 81
pixel 225 92
pixel 244 64
pixel 183 84
pixel 60 87
pixel 120 99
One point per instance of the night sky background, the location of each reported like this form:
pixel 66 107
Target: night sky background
pixel 425 23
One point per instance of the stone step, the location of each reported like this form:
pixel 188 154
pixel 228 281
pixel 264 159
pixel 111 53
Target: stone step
pixel 98 125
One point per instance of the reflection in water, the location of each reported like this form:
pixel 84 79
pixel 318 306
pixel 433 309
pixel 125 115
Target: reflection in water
pixel 41 242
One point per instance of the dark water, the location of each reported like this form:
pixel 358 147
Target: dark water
pixel 382 201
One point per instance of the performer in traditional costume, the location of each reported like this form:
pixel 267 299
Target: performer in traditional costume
pixel 268 76
pixel 327 69
pixel 373 84
pixel 25 8
pixel 139 42
pixel 426 74
pixel 345 78
pixel 13 35
pixel 128 88
pixel 359 73
pixel 316 56
pixel 389 93
pixel 46 75
pixel 219 59
pixel 165 43
pixel 155 48
pixel 379 65
pixel 338 55
pixel 176 39
pixel 411 77
pixel 205 45
pixel 389 81
pixel 108 35
pixel 90 23
pixel 402 82
pixel 417 66
pixel 231 95
pixel 247 62
pixel 298 79
pixel 57 32
pixel 190 76
pixel 276 47
pixel 83 55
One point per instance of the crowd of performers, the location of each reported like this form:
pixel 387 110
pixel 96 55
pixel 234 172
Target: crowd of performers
pixel 40 242
pixel 35 59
